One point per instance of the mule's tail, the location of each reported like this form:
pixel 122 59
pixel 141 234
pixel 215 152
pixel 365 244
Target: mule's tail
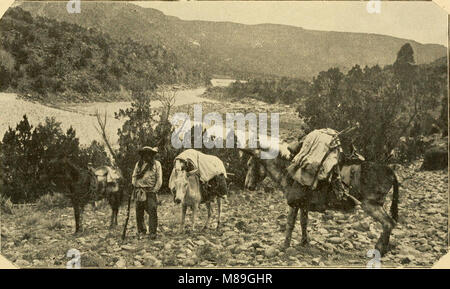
pixel 394 204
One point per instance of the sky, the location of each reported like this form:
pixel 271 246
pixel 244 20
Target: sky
pixel 424 22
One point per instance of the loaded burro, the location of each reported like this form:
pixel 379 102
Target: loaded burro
pixel 320 171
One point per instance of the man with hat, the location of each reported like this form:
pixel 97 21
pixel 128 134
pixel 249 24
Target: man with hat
pixel 147 180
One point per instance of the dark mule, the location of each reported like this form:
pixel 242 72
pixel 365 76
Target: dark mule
pixel 189 191
pixel 82 186
pixel 103 187
pixel 368 182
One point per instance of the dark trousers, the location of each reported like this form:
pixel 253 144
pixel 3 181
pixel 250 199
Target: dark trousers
pixel 149 206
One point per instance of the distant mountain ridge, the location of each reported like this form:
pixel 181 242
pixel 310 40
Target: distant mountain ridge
pixel 238 49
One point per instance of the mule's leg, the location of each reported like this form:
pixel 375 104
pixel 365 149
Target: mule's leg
pixel 218 213
pixel 194 211
pixel 116 201
pixel 293 211
pixel 81 218
pixel 116 212
pixel 208 206
pixel 304 223
pixel 111 205
pixel 183 216
pixel 76 210
pixel 111 222
pixel 378 213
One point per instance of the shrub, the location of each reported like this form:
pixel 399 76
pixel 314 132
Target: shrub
pixel 52 224
pixel 436 158
pixel 284 90
pixel 6 205
pixel 409 149
pixel 90 62
pixel 27 153
pixel 52 201
pixel 385 102
pixel 443 117
pixel 32 220
pixel 142 127
pixel 6 68
pixel 96 154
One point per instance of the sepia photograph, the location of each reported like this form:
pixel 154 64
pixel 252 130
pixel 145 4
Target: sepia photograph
pixel 224 134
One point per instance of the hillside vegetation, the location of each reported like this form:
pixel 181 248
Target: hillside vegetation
pixel 236 49
pixel 48 60
pixel 401 101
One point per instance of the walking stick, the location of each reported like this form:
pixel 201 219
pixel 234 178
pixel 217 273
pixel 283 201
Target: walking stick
pixel 128 217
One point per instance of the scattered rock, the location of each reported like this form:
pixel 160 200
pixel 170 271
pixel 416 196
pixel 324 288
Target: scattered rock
pixel 336 240
pixel 121 263
pixel 250 234
pixel 22 263
pixel 271 252
pixel 291 251
pixel 406 259
pixel 128 248
pixel 189 262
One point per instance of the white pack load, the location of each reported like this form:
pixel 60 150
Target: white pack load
pixel 208 166
pixel 309 166
pixel 110 175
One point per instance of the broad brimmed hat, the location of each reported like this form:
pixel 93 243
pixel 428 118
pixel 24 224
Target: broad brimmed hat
pixel 148 150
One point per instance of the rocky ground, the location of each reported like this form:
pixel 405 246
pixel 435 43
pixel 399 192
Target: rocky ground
pixel 252 231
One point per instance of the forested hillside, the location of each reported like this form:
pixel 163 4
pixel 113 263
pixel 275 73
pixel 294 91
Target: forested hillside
pixel 235 49
pixel 49 60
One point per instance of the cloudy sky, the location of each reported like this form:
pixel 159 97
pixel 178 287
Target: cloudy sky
pixel 424 22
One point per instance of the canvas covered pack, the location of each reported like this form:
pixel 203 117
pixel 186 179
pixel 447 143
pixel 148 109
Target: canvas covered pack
pixel 208 166
pixel 317 157
pixel 107 178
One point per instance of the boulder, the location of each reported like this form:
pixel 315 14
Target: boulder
pixel 271 252
pixel 435 158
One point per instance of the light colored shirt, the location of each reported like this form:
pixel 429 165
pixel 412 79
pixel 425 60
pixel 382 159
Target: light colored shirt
pixel 152 178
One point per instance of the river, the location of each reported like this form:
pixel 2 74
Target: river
pixel 187 96
pixel 79 116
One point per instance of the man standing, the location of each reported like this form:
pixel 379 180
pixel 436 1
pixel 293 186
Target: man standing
pixel 147 180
